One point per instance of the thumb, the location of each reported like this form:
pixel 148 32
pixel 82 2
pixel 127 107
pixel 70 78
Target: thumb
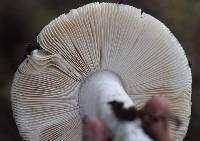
pixel 93 130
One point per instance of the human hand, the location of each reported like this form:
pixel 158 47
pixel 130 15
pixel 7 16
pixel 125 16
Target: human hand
pixel 155 125
pixel 93 129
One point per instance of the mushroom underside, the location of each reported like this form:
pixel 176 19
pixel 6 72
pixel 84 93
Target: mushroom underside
pixel 93 38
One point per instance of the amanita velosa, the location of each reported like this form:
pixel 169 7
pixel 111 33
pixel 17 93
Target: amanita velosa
pixel 91 58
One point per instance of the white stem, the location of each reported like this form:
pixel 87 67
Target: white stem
pixel 95 94
pixel 97 91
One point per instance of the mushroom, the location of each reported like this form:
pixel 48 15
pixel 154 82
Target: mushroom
pixel 95 55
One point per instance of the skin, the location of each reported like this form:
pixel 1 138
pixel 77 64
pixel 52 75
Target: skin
pixel 94 130
pixel 155 125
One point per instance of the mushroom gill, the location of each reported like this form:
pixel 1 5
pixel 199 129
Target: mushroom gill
pixel 98 37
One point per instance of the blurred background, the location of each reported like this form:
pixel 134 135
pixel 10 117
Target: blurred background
pixel 21 20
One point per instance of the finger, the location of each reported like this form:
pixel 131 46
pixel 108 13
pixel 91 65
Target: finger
pixel 93 130
pixel 153 120
pixel 157 105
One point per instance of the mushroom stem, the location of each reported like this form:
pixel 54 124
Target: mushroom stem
pixel 100 95
pixel 98 90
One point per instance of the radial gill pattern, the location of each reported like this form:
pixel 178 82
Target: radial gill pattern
pixel 97 36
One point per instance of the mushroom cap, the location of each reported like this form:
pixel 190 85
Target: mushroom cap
pixel 92 38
